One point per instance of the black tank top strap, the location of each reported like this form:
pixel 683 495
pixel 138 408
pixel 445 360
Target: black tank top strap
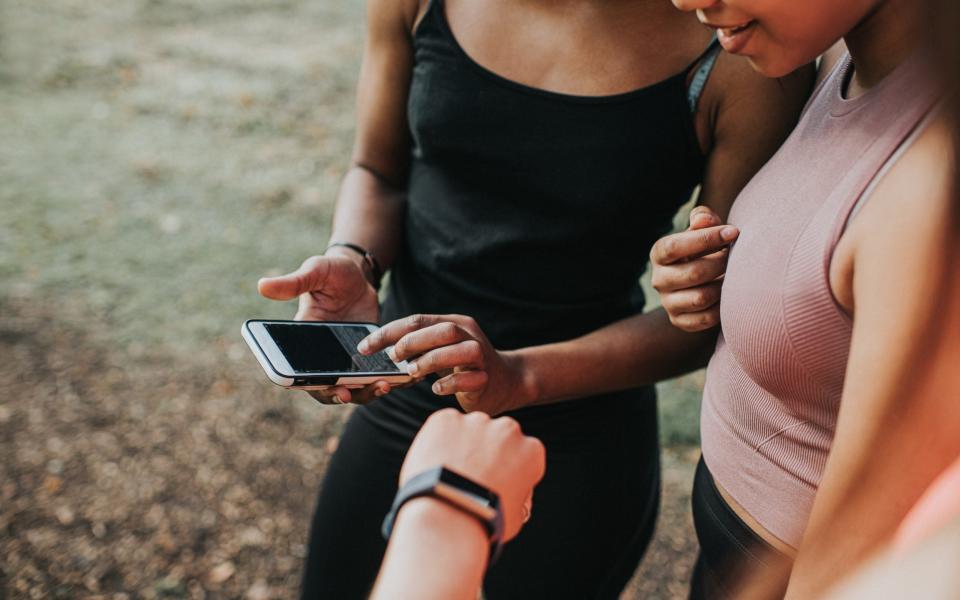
pixel 428 13
pixel 703 68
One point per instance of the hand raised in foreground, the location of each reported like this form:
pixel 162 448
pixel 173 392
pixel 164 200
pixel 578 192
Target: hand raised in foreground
pixel 332 287
pixel 454 347
pixel 492 452
pixel 688 270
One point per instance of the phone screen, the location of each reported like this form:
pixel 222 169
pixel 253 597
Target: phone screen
pixel 326 348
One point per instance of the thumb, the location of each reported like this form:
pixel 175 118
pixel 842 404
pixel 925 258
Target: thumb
pixel 702 217
pixel 287 287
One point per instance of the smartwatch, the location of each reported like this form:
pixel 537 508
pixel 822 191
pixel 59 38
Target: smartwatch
pixel 457 491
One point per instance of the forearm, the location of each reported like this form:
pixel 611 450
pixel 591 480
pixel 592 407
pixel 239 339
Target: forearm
pixel 858 515
pixel 369 213
pixel 436 551
pixel 636 351
pixel 897 428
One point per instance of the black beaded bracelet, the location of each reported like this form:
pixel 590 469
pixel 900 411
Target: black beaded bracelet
pixel 376 271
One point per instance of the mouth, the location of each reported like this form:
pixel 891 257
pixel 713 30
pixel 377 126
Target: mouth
pixel 734 38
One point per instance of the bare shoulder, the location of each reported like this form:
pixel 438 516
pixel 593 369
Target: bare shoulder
pixel 737 81
pixel 915 195
pixel 902 230
pixel 398 16
pixel 740 100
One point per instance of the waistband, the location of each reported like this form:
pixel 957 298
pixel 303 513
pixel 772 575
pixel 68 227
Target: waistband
pixel 729 549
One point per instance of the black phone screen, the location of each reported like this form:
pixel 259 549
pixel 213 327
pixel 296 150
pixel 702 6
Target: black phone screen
pixel 324 348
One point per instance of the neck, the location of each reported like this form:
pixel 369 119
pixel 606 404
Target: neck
pixel 883 39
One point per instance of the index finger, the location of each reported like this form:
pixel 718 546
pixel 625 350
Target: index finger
pixel 691 244
pixel 390 333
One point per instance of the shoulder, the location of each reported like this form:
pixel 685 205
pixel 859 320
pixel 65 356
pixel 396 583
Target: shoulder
pixel 395 16
pixel 742 120
pixel 916 192
pixel 738 83
pixel 901 233
pixel 739 101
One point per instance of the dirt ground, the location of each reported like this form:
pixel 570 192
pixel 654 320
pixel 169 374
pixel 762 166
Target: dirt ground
pixel 121 481
pixel 156 157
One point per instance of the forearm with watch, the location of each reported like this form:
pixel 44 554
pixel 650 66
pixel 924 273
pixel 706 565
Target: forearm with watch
pixel 368 222
pixel 444 530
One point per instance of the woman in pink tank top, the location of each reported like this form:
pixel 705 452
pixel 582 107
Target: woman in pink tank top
pixel 821 298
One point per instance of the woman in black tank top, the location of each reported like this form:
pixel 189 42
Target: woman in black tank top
pixel 532 211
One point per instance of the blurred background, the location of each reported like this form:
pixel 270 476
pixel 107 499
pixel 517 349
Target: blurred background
pixel 156 158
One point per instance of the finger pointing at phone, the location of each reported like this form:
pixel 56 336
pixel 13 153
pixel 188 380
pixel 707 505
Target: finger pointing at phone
pixel 688 270
pixel 455 348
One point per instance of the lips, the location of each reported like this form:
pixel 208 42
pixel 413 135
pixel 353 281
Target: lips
pixel 734 38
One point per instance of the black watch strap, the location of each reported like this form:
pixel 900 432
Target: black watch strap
pixel 457 491
pixel 373 265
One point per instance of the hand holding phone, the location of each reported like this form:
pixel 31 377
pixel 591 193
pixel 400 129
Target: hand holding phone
pixel 331 287
pixel 310 355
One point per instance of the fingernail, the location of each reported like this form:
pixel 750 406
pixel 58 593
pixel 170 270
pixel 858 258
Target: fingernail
pixel 412 368
pixel 337 399
pixel 363 347
pixel 437 388
pixel 392 353
pixel 380 392
pixel 728 234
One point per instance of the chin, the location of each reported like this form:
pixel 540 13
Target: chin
pixel 774 67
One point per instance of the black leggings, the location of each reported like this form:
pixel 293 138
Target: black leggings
pixel 593 514
pixel 729 549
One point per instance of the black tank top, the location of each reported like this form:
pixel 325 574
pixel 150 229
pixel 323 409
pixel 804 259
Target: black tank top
pixel 534 212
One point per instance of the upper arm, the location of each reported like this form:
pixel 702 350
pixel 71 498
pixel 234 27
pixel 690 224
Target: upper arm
pixel 748 118
pixel 382 135
pixel 890 443
pixel 898 246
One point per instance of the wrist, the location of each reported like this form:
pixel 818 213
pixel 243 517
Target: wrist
pixel 446 526
pixel 346 253
pixel 366 262
pixel 433 513
pixel 454 544
pixel 526 387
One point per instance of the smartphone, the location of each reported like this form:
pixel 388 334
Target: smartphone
pixel 312 355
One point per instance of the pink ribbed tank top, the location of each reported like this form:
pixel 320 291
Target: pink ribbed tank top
pixel 774 383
